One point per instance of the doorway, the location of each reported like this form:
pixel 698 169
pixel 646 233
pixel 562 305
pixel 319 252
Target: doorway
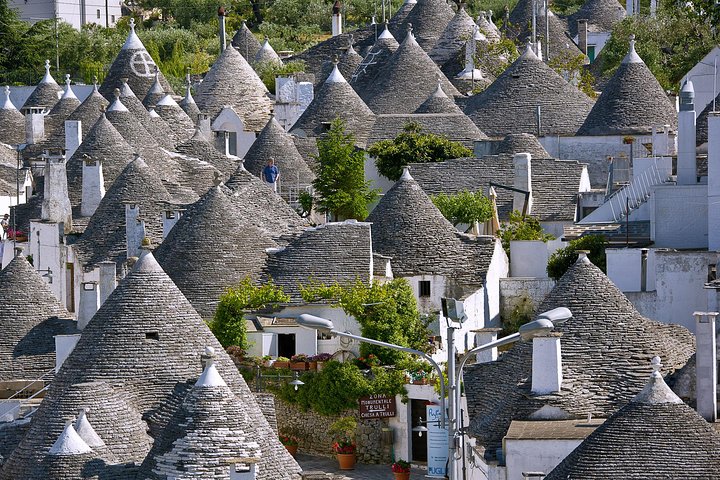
pixel 286 345
pixel 418 440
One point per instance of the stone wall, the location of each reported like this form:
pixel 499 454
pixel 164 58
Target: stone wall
pixel 518 291
pixel 373 445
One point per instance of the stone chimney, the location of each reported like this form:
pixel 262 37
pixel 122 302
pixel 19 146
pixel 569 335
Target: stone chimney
pixel 483 336
pixel 686 158
pixel 89 303
pixel 706 365
pixel 523 181
pixel 336 18
pixel 56 203
pixel 34 126
pixel 713 160
pixel 73 136
pixel 108 280
pixel 170 218
pixel 582 29
pixel 134 230
pixel 546 364
pixel 205 125
pixel 93 186
pixel 221 21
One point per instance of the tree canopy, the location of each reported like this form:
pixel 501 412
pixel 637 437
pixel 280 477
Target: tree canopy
pixel 464 207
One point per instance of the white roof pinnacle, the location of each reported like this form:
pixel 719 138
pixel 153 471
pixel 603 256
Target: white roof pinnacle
pixel 48 78
pixel 188 94
pixel 86 431
pixel 406 174
pixel 68 89
pixel 410 2
pixel 156 87
pixel 7 104
pixel 656 391
pixel 117 105
pixel 210 377
pixel 167 100
pixel 335 76
pixel 632 56
pixel 386 33
pixel 125 90
pixel 69 443
pixel 153 113
pixel 133 41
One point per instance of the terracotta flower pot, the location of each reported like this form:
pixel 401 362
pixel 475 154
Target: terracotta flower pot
pixel 292 449
pixel 346 461
pixel 320 366
pixel 402 475
pixel 312 365
pixel 298 366
pixel 281 364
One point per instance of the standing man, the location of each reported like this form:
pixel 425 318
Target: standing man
pixel 5 225
pixel 270 174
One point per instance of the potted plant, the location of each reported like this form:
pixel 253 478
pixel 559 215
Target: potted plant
pixel 290 442
pixel 401 470
pixel 268 361
pixel 299 362
pixel 281 362
pixel 343 434
pixel 321 359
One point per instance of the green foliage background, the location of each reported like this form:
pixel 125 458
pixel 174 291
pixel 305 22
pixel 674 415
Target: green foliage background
pixel 563 259
pixel 464 207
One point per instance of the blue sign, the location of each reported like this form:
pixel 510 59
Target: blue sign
pixel 437 443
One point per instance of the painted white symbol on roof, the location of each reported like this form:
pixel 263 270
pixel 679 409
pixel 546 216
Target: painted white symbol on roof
pixel 142 65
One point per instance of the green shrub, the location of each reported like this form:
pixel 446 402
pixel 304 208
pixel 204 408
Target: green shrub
pixel 464 207
pixel 521 227
pixel 562 260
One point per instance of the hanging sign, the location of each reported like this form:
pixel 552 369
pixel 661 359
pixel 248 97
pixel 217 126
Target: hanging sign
pixel 377 406
pixel 437 443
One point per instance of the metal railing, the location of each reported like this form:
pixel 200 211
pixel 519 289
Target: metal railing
pixel 622 202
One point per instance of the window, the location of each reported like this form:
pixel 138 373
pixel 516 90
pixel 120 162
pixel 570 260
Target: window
pixel 712 273
pixel 112 18
pixel 424 288
pixel 152 336
pixel 98 13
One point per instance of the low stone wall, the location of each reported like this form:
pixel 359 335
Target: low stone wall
pixel 311 429
pixel 517 291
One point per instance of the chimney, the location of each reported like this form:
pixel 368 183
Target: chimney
pixel 706 365
pixel 64 345
pixel 134 230
pixel 56 203
pixel 630 7
pixel 221 21
pixel 170 218
pixel 686 158
pixel 107 280
pixel 205 125
pixel 523 181
pixel 93 186
pixel 582 25
pixel 546 364
pixel 336 19
pixel 89 303
pixel 713 160
pixel 483 336
pixel 73 136
pixel 34 126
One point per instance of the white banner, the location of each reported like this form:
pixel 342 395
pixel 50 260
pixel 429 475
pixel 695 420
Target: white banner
pixel 437 443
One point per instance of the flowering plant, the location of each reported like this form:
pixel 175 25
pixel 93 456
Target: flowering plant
pixel 344 446
pixel 300 357
pixel 321 357
pixel 288 440
pixel 401 466
pixel 368 362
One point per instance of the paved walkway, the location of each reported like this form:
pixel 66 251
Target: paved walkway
pixel 361 472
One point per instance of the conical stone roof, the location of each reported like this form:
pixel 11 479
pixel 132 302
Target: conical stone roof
pixel 12 122
pixel 266 54
pixel 102 143
pixel 200 147
pixel 405 80
pixel 159 130
pixel 134 63
pixel 382 49
pixel 148 337
pixel 156 92
pixel 204 266
pixel 30 315
pixel 631 103
pixel 335 99
pixel 90 110
pixel 174 116
pixel 428 19
pixel 522 143
pixel 654 436
pixel 561 45
pixel 452 41
pixel 487 27
pixel 701 124
pixel 245 42
pixel 606 347
pixel 273 142
pixel 438 102
pixel 46 94
pixel 509 104
pixel 602 16
pixel 232 81
pixel 347 62
pixel 396 25
pixel 208 430
pixel 189 106
pixel 55 120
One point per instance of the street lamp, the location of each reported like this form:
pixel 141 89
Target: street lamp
pixel 297 382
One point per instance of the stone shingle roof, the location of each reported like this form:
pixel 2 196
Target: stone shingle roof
pixel 555 183
pixel 335 99
pixel 266 54
pixel 201 255
pixel 606 347
pixel 46 94
pixel 199 147
pixel 159 130
pixel 12 122
pixel 561 45
pixel 602 16
pixel 632 102
pixel 408 228
pixel 232 81
pixel 509 104
pixel 245 42
pixel 90 110
pixel 30 315
pixel 654 436
pixel 189 106
pixel 487 27
pixel 204 436
pixel 522 143
pixel 155 94
pixel 428 19
pixel 453 38
pixel 55 122
pixel 701 124
pixel 348 62
pixel 397 25
pixel 456 127
pixel 406 80
pixel 438 102
pixel 134 63
pixel 273 142
pixel 175 117
pixel 339 252
pixel 381 50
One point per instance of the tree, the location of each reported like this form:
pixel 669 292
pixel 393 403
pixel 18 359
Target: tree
pixel 563 259
pixel 340 182
pixel 521 227
pixel 464 207
pixel 228 325
pixel 413 146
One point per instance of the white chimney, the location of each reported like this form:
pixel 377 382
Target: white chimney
pixel 89 303
pixel 56 203
pixel 205 125
pixel 64 345
pixel 706 365
pixel 336 19
pixel 713 160
pixel 134 230
pixel 546 364
pixel 73 136
pixel 108 280
pixel 221 21
pixel 523 181
pixel 34 126
pixel 93 186
pixel 170 218
pixel 483 336
pixel 686 158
